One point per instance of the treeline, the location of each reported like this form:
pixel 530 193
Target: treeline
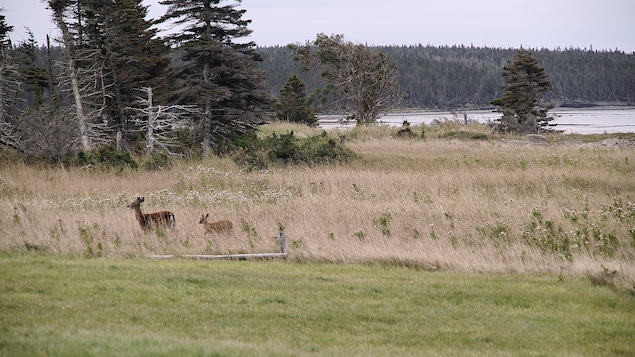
pixel 116 83
pixel 462 76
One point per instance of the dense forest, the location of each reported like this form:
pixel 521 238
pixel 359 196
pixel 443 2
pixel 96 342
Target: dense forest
pixel 463 77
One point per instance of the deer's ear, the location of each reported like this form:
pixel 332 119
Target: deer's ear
pixel 207 215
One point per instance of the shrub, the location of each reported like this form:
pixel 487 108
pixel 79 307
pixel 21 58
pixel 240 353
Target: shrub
pixel 286 149
pixel 406 131
pixel 464 135
pixel 324 149
pixel 157 161
pixel 9 156
pixel 106 157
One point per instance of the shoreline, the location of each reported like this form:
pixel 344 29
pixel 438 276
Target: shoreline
pixel 588 120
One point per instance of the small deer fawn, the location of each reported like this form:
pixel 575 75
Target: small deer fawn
pixel 148 221
pixel 216 227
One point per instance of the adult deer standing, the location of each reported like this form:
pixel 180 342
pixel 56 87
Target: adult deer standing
pixel 216 227
pixel 148 221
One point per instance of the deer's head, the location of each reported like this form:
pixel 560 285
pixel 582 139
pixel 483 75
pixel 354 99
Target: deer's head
pixel 137 203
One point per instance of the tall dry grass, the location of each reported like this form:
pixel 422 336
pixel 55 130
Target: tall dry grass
pixel 491 206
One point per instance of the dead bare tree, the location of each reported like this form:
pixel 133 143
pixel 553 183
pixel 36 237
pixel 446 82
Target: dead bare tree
pixel 59 9
pixel 85 75
pixel 47 132
pixel 10 97
pixel 159 122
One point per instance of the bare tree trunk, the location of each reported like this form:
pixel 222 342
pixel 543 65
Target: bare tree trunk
pixel 150 130
pixel 2 86
pixel 119 141
pixel 81 118
pixel 72 70
pixel 207 128
pixel 207 116
pixel 49 58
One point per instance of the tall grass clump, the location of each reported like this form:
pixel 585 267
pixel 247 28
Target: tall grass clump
pixel 500 205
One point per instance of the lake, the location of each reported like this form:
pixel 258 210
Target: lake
pixel 596 120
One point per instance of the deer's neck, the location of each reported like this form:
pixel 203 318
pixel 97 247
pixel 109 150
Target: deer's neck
pixel 140 215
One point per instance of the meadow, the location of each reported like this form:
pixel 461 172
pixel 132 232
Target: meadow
pixel 459 243
pixel 447 202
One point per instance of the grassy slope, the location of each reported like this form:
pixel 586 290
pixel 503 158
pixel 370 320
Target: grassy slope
pixel 75 307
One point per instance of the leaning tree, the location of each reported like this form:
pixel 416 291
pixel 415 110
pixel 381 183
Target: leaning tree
pixel 360 80
pixel 522 103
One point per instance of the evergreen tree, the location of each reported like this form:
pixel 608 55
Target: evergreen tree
pixel 66 14
pixel 293 104
pixel 214 71
pixel 134 56
pixel 111 52
pixel 521 103
pixel 4 30
pixel 10 80
pixel 35 77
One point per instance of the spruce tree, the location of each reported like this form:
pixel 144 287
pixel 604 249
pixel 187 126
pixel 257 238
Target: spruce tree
pixel 35 77
pixel 135 57
pixel 4 30
pixel 293 104
pixel 522 103
pixel 215 71
pixel 10 78
pixel 128 53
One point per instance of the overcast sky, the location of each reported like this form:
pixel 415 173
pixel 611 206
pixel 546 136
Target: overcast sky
pixel 602 24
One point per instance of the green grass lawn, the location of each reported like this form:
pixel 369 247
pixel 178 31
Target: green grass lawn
pixel 107 307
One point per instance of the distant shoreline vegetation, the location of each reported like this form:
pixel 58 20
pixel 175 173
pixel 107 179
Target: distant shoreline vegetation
pixel 470 77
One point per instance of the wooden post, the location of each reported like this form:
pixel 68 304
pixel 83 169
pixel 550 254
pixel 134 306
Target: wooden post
pixel 283 242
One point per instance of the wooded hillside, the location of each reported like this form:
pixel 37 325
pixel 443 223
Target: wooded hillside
pixel 460 76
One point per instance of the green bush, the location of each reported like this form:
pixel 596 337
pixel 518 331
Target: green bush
pixel 287 149
pixel 157 161
pixel 406 131
pixel 323 149
pixel 106 157
pixel 9 156
pixel 463 135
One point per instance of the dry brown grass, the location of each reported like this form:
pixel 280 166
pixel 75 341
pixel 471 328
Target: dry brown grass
pixel 490 206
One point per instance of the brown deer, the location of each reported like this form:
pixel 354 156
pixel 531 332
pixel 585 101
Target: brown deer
pixel 216 227
pixel 148 221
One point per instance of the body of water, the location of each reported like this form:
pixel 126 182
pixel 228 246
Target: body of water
pixel 596 120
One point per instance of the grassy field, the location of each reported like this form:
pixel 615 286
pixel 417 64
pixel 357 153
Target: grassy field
pixel 56 306
pixel 498 205
pixel 462 243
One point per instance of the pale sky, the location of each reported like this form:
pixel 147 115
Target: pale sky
pixel 602 24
